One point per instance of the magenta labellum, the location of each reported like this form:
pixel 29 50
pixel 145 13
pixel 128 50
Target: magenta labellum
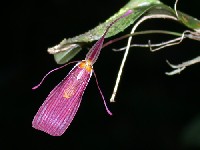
pixel 61 105
pixel 59 108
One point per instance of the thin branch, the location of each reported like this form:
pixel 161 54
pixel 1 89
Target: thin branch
pixel 180 67
pixel 112 99
pixel 160 45
pixel 191 35
pixel 169 43
pixel 175 4
pixel 142 33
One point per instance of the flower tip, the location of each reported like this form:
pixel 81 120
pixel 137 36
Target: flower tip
pixel 128 12
pixel 35 87
pixel 109 112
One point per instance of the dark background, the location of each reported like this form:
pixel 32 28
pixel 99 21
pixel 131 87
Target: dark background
pixel 152 110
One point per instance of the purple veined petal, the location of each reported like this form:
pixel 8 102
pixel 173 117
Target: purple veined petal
pixel 61 105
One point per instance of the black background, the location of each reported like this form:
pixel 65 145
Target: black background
pixel 152 110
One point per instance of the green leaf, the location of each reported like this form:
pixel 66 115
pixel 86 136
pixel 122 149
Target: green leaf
pixel 189 21
pixel 139 7
pixel 68 48
pixel 183 18
pixel 65 56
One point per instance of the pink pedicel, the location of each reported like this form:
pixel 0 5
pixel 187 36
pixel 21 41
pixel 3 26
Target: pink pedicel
pixel 61 105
